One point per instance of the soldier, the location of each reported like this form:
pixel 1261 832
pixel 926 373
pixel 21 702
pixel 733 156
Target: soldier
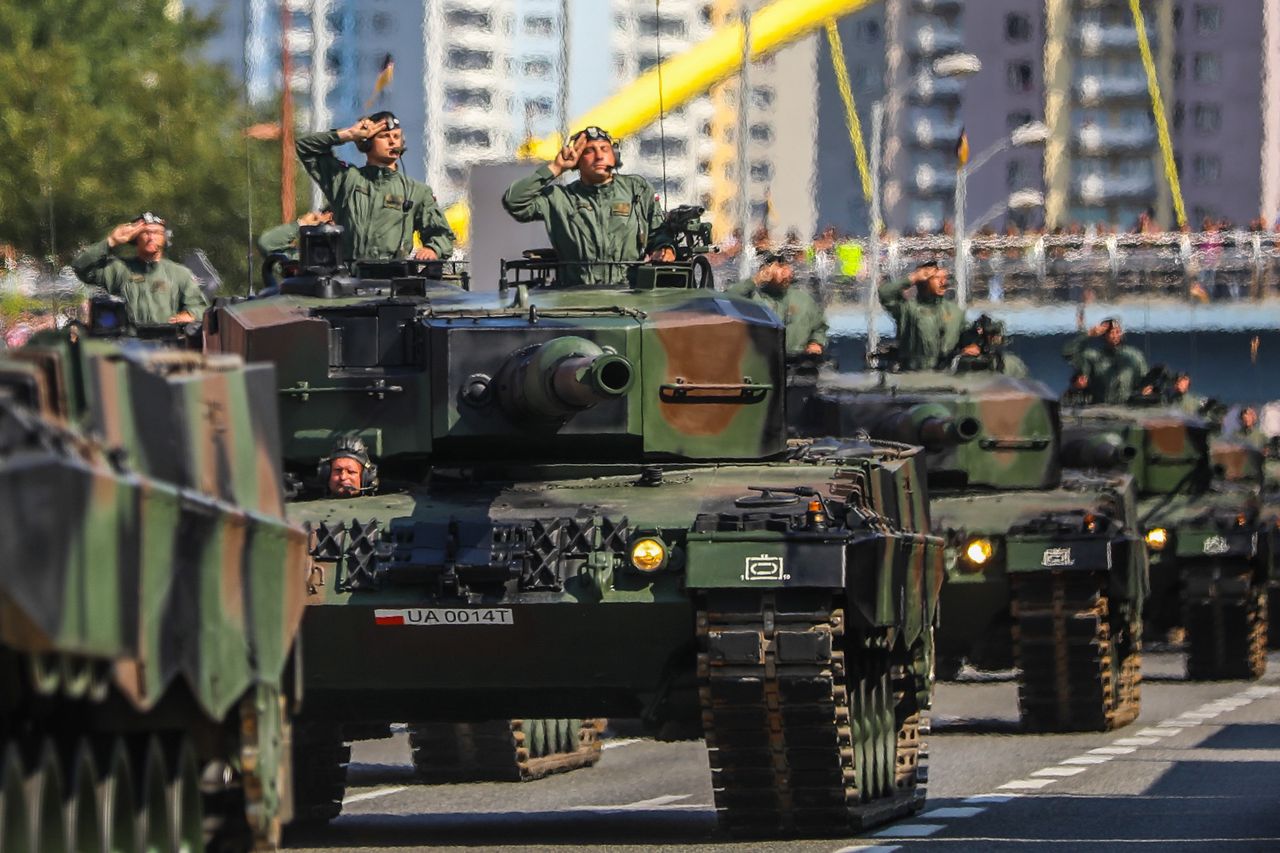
pixel 929 328
pixel 1115 370
pixel 283 238
pixel 597 221
pixel 804 319
pixel 1078 393
pixel 1247 431
pixel 155 289
pixel 348 471
pixel 378 206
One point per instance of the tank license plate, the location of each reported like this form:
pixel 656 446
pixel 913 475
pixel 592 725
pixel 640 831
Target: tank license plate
pixel 430 617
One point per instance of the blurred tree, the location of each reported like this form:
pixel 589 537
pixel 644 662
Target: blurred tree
pixel 107 110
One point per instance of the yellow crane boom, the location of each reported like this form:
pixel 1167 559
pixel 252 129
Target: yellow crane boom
pixel 686 76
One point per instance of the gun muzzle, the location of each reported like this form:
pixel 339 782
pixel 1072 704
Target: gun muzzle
pixel 562 377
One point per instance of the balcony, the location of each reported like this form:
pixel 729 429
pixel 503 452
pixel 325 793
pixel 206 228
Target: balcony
pixel 1093 90
pixel 927 89
pixel 925 132
pixel 929 180
pixel 1092 139
pixel 928 39
pixel 1097 39
pixel 1100 188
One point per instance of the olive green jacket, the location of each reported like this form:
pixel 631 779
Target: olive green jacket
pixel 153 290
pixel 370 202
pixel 600 223
pixel 282 239
pixel 929 328
pixel 804 318
pixel 1113 374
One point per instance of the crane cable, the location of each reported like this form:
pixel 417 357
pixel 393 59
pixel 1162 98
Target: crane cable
pixel 1157 110
pixel 850 108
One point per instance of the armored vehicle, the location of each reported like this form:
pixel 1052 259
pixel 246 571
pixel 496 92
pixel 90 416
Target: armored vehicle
pixel 1199 503
pixel 1045 567
pixel 596 512
pixel 150 596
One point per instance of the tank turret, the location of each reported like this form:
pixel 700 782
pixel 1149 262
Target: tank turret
pixel 929 425
pixel 558 379
pixel 1101 451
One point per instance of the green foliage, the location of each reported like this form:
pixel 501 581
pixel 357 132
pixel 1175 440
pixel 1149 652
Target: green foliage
pixel 107 111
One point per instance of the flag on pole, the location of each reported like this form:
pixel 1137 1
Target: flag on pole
pixel 962 149
pixel 384 79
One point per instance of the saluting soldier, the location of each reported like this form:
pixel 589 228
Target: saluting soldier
pixel 597 221
pixel 930 326
pixel 378 206
pixel 805 321
pixel 1115 369
pixel 155 289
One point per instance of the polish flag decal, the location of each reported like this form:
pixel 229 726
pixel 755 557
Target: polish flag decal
pixel 388 617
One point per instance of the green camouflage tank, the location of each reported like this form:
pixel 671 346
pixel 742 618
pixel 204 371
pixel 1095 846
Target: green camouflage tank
pixel 1045 567
pixel 149 600
pixel 590 508
pixel 1199 501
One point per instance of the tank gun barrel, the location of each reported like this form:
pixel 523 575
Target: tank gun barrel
pixel 562 377
pixel 1102 451
pixel 931 426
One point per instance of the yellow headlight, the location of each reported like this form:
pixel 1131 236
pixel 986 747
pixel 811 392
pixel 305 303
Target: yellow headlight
pixel 1157 538
pixel 648 555
pixel 979 551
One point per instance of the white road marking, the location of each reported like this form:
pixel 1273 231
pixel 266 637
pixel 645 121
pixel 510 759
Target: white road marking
pixel 666 801
pixel 1135 741
pixel 614 744
pixel 1027 784
pixel 1200 715
pixel 870 848
pixel 909 830
pixel 373 795
pixel 951 812
pixel 994 799
pixel 1156 733
pixel 1113 750
pixel 1087 759
pixel 1058 771
pixel 1182 724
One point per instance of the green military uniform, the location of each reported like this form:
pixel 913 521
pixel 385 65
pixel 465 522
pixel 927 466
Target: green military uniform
pixel 803 317
pixel 282 239
pixel 153 290
pixel 929 327
pixel 370 203
pixel 1113 374
pixel 603 222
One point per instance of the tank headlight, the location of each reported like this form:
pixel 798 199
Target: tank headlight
pixel 1157 538
pixel 979 551
pixel 648 555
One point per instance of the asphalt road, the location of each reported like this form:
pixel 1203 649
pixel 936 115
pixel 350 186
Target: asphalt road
pixel 1199 770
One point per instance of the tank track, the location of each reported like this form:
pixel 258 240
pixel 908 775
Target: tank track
pixel 803 737
pixel 1226 613
pixel 503 750
pixel 321 755
pixel 1080 663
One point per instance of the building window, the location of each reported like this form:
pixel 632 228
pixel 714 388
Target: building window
pixel 462 59
pixel 538 25
pixel 647 61
pixel 868 31
pixel 1017 27
pixel 537 68
pixel 467 137
pixel 467 99
pixel 1015 120
pixel 652 147
pixel 761 133
pixel 1016 175
pixel 469 19
pixel 705 15
pixel 538 107
pixel 762 97
pixel 761 170
pixel 1021 77
pixel 1208 118
pixel 704 168
pixel 1207 68
pixel 1179 115
pixel 1208 168
pixel 381 22
pixel 651 26
pixel 1208 18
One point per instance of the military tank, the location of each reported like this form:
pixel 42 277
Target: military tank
pixel 1199 506
pixel 149 599
pixel 1045 568
pixel 592 517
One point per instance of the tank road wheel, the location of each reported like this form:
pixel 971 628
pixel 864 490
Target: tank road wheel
pixel 115 793
pixel 15 819
pixel 46 800
pixel 155 810
pixel 1225 613
pixel 88 826
pixel 184 794
pixel 320 760
pixel 796 745
pixel 503 750
pixel 1079 664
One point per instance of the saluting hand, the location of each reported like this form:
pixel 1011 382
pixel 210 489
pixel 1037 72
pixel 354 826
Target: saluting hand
pixel 125 232
pixel 568 156
pixel 362 130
